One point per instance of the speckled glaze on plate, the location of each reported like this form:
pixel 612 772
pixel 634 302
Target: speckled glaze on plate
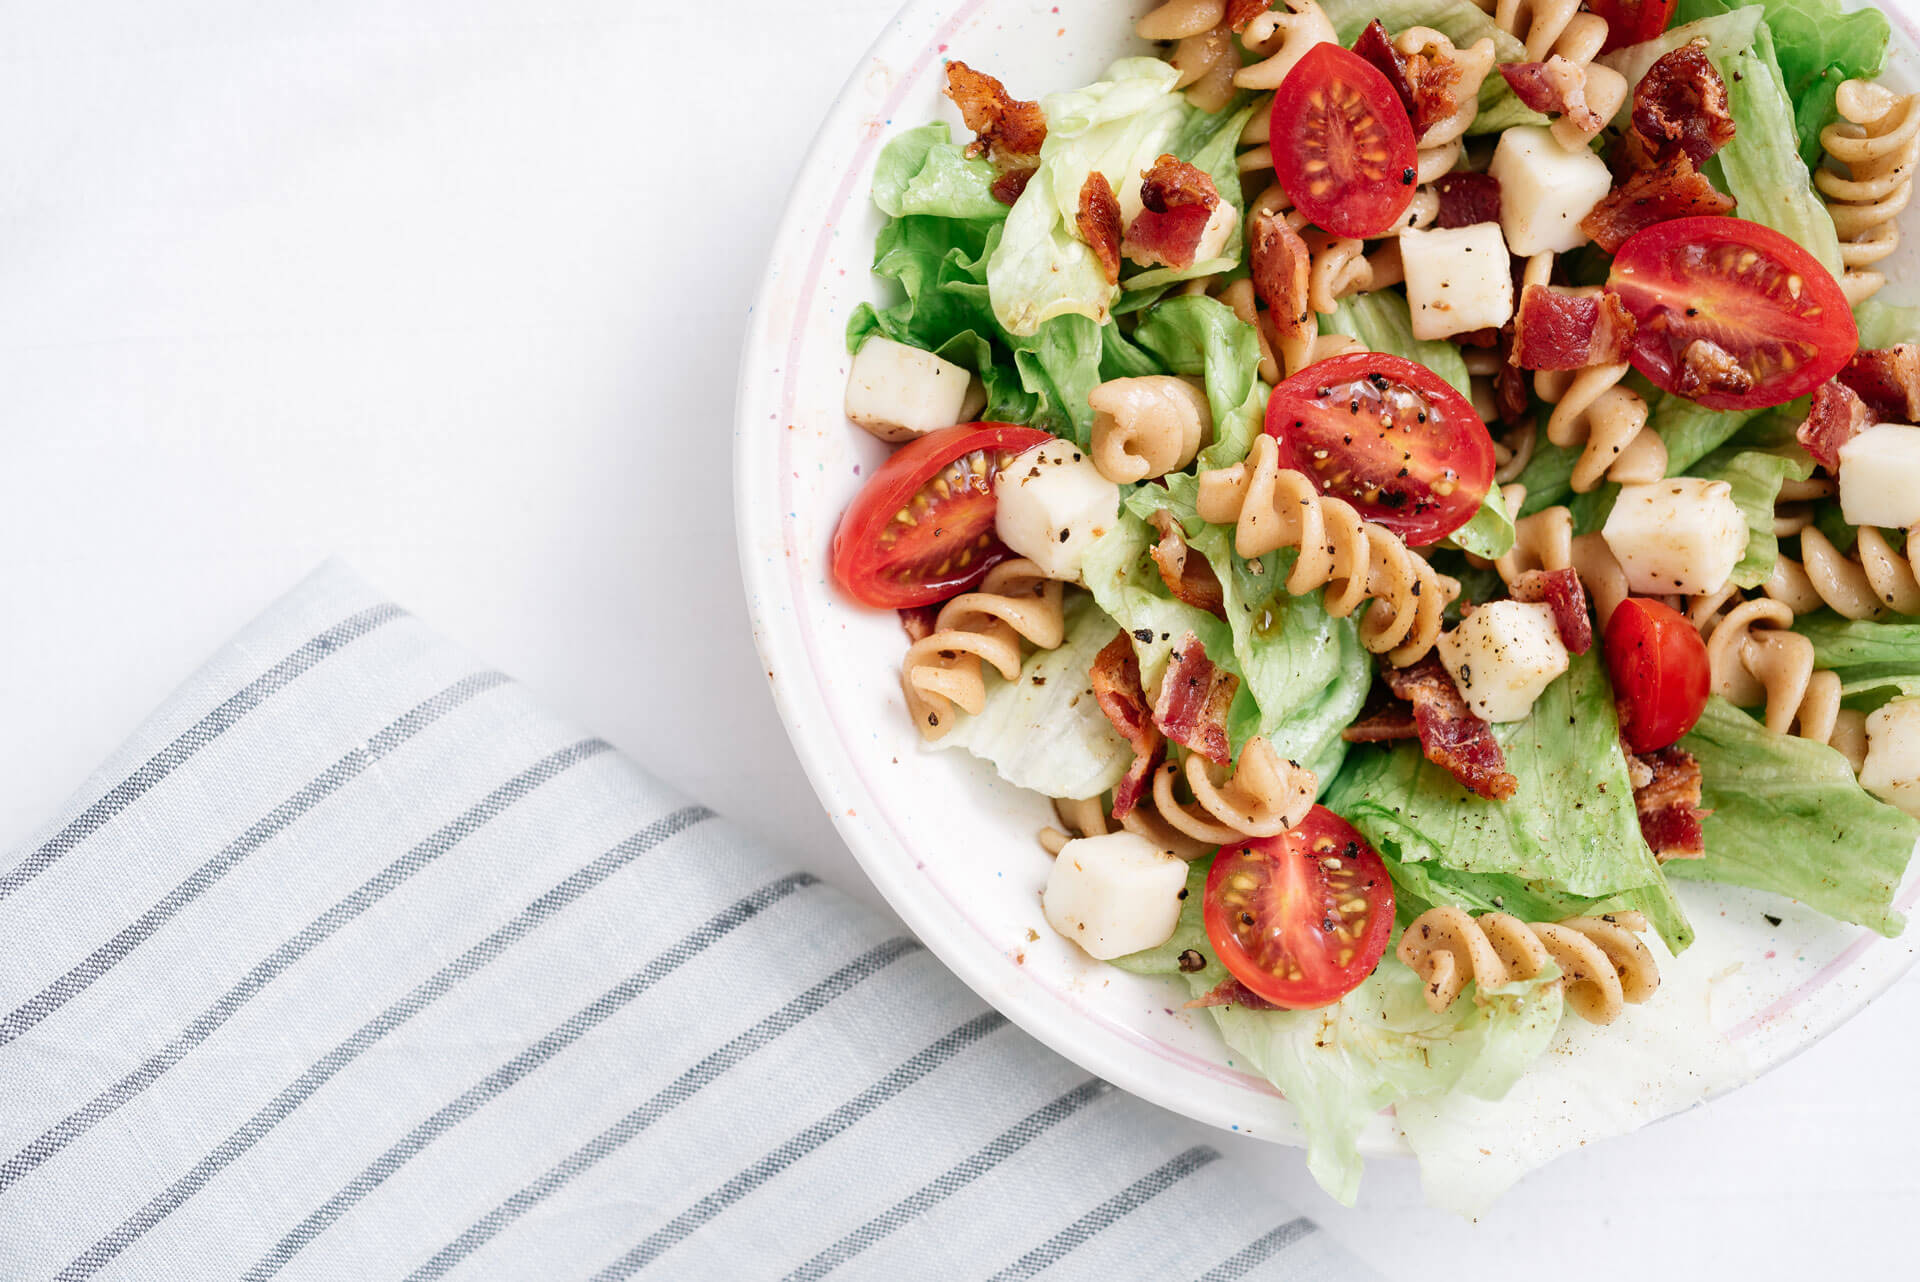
pixel 944 839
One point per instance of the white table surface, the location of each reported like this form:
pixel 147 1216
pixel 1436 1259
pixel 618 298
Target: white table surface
pixel 454 289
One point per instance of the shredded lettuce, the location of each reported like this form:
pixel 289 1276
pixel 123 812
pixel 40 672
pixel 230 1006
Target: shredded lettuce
pixel 1045 730
pixel 1789 817
pixel 923 171
pixel 1756 477
pixel 1570 832
pixel 1873 659
pixel 1378 1046
pixel 1200 336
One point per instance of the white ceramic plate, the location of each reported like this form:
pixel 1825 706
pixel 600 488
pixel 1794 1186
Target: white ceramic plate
pixel 951 846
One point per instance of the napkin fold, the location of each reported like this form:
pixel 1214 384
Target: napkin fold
pixel 354 963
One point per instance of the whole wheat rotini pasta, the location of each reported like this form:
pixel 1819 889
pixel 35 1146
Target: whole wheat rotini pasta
pixel 1545 541
pixel 1603 964
pixel 1440 146
pixel 1352 559
pixel 1281 37
pixel 1147 426
pixel 942 670
pixel 1591 408
pixel 1877 139
pixel 1878 579
pixel 1753 659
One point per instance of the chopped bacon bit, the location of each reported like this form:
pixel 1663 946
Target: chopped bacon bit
pixel 1004 127
pixel 1115 677
pixel 1177 202
pixel 1434 77
pixel 1012 184
pixel 1376 46
pixel 1099 221
pixel 1190 578
pixel 1451 736
pixel 1242 12
pixel 1705 366
pixel 1485 336
pixel 1231 992
pixel 1566 596
pixel 1680 105
pixel 1670 189
pixel 1888 380
pixel 1466 199
pixel 1392 722
pixel 1195 694
pixel 1280 264
pixel 1557 330
pixel 1836 416
pixel 1556 87
pixel 1668 803
pixel 918 621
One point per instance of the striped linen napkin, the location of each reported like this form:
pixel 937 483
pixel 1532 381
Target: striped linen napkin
pixel 354 964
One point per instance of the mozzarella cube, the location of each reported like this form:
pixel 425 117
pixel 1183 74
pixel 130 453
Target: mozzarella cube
pixel 899 392
pixel 1051 504
pixel 1681 535
pixel 1892 768
pixel 1458 279
pixel 1502 656
pixel 1545 190
pixel 1880 477
pixel 1114 895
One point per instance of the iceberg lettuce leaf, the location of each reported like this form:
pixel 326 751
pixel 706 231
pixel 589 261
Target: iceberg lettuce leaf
pixel 1756 477
pixel 923 171
pixel 1200 336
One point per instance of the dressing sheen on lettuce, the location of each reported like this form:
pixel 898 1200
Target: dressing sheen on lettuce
pixel 1789 817
pixel 1379 1045
pixel 1567 842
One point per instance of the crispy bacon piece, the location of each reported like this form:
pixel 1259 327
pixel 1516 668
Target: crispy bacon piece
pixel 1466 199
pixel 1392 722
pixel 1241 12
pixel 1680 106
pixel 1511 399
pixel 1556 87
pixel 1006 129
pixel 1557 330
pixel 1670 189
pixel 1705 366
pixel 1666 794
pixel 917 620
pixel 1836 416
pixel 1195 694
pixel 1099 221
pixel 1423 81
pixel 1451 736
pixel 1231 992
pixel 1279 262
pixel 1888 380
pixel 1115 677
pixel 1376 46
pixel 1177 200
pixel 1190 578
pixel 1012 183
pixel 1566 596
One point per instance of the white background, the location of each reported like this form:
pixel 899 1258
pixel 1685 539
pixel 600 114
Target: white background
pixel 455 290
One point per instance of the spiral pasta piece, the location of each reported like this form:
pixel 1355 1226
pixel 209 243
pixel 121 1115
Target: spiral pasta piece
pixel 1338 265
pixel 1352 559
pixel 1591 408
pixel 1441 145
pixel 942 670
pixel 1752 660
pixel 1559 29
pixel 1147 426
pixel 1545 541
pixel 1281 37
pixel 1877 580
pixel 1604 965
pixel 1877 139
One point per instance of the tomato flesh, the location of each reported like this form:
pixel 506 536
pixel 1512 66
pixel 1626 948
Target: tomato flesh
pixel 1300 919
pixel 1631 21
pixel 1660 673
pixel 1342 144
pixel 921 529
pixel 1388 436
pixel 1744 291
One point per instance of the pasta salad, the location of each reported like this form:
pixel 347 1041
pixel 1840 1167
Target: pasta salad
pixel 1412 482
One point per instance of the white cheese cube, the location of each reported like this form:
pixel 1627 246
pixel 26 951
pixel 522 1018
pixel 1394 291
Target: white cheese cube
pixel 899 392
pixel 1051 503
pixel 1545 190
pixel 1681 535
pixel 1892 768
pixel 1502 656
pixel 1458 279
pixel 1114 895
pixel 1880 477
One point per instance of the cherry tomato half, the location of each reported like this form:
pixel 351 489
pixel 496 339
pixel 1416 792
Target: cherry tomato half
pixel 1659 668
pixel 1342 144
pixel 1388 436
pixel 1631 21
pixel 922 529
pixel 1300 918
pixel 1771 322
